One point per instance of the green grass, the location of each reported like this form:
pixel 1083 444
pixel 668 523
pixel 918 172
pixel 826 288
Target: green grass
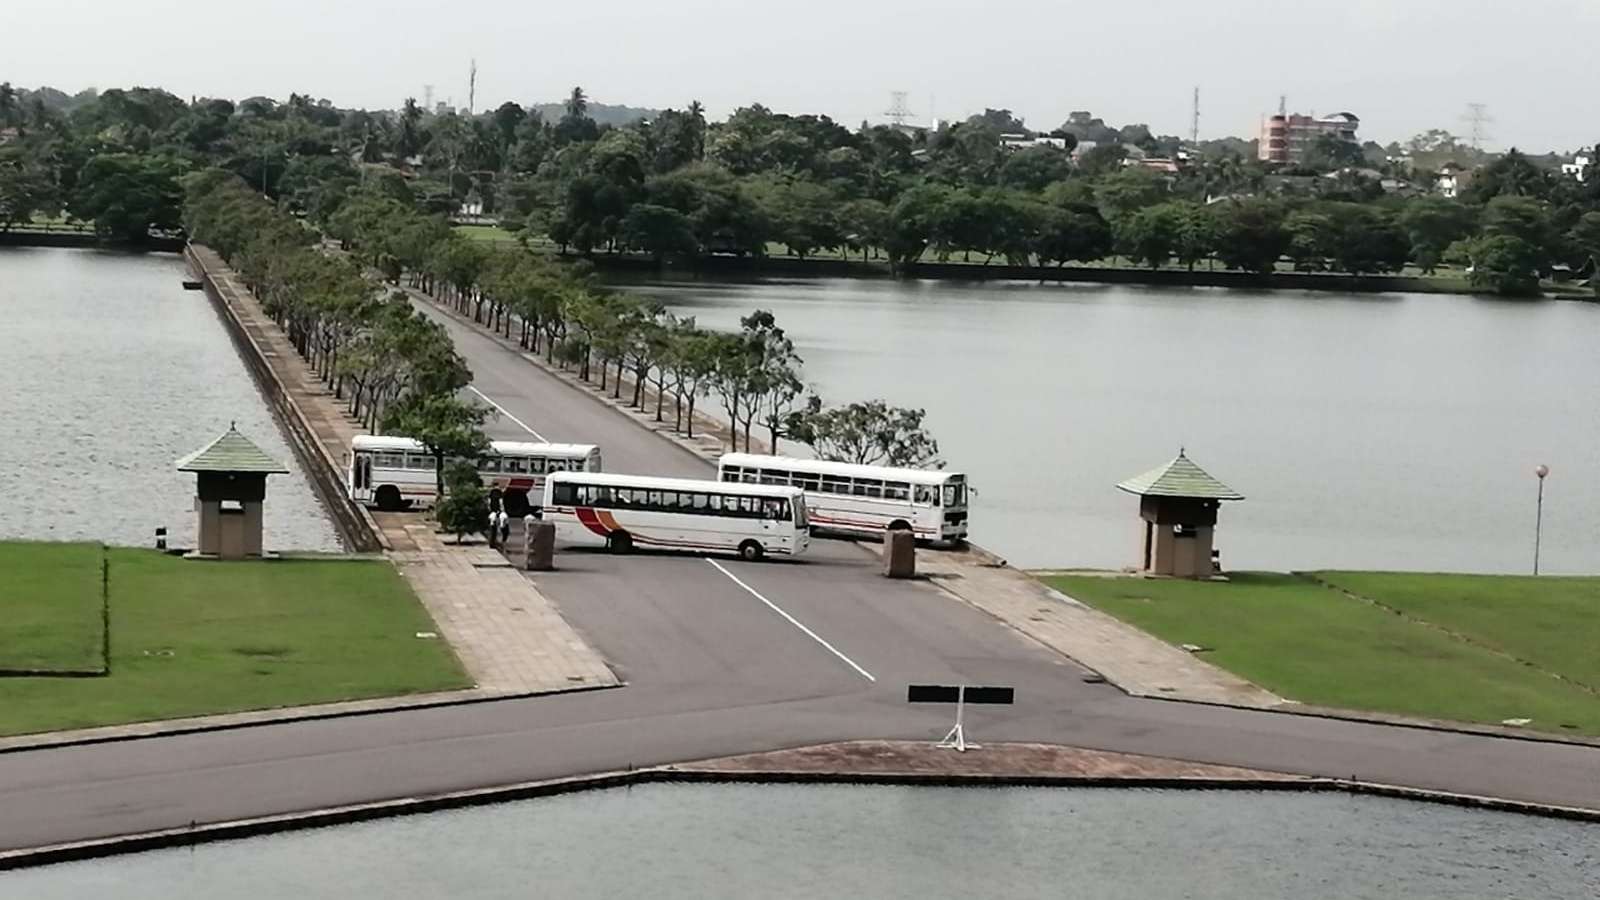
pixel 1307 642
pixel 1553 623
pixel 192 638
pixel 493 234
pixel 52 615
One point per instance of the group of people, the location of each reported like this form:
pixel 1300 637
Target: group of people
pixel 500 523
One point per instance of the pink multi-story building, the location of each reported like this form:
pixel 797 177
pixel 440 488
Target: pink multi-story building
pixel 1287 138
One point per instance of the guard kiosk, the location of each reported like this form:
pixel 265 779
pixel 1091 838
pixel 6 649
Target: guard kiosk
pixel 1178 505
pixel 231 485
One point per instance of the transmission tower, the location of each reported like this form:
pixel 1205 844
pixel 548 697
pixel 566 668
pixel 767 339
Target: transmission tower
pixel 1194 119
pixel 899 111
pixel 1283 105
pixel 472 88
pixel 1477 118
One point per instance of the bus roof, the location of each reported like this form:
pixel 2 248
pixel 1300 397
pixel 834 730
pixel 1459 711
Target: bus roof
pixel 648 482
pixel 843 470
pixel 515 448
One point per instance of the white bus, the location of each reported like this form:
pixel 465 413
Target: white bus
pixel 863 500
pixel 621 512
pixel 395 472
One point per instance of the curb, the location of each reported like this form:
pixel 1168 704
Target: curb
pixel 63 739
pixel 688 774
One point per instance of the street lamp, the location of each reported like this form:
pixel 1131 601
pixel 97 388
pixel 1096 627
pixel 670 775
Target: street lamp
pixel 1540 470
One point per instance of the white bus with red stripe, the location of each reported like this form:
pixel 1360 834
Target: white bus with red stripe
pixel 621 512
pixel 863 500
pixel 396 472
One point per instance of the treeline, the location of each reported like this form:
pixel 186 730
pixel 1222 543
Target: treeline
pixel 609 336
pixel 678 185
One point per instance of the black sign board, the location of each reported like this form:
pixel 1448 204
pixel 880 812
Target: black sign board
pixel 951 693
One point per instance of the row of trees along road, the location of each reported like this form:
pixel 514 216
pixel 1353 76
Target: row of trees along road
pixel 396 369
pixel 559 309
pixel 677 184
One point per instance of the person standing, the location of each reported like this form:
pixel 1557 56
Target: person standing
pixel 505 528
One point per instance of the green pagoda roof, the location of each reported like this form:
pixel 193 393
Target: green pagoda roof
pixel 233 452
pixel 1179 478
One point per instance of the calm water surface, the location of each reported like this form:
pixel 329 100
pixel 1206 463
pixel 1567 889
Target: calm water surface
pixel 783 841
pixel 1394 431
pixel 109 372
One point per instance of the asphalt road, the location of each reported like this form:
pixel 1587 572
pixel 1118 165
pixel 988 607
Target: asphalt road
pixel 801 652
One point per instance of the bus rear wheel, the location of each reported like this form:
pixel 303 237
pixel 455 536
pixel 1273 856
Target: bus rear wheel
pixel 388 498
pixel 516 503
pixel 619 542
pixel 899 525
pixel 751 551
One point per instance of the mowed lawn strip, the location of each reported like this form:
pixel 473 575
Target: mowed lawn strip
pixel 1551 622
pixel 1308 642
pixel 52 616
pixel 192 638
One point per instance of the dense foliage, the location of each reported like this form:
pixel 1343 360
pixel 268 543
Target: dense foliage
pixel 677 185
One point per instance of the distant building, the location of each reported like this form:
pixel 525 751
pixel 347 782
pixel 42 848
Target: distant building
pixel 1019 141
pixel 1287 139
pixel 1579 167
pixel 1452 180
pixel 7 135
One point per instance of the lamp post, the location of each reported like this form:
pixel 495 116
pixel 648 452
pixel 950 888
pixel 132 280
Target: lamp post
pixel 1540 470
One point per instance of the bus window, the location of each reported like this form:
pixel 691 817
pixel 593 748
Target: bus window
pixel 867 488
pixel 555 465
pixel 699 502
pixel 809 483
pixel 489 464
pixel 923 495
pixel 731 473
pixel 391 461
pixel 955 494
pixel 832 485
pixel 418 461
pixel 514 465
pixel 896 490
pixel 774 476
pixel 714 502
pixel 564 495
pixel 777 510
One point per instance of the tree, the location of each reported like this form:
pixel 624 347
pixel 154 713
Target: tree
pixel 126 195
pixel 443 423
pixel 1585 238
pixel 464 509
pixel 1070 231
pixel 870 433
pixel 1505 264
pixel 1432 224
pixel 1250 234
pixel 1151 235
pixel 25 189
pixel 1034 168
pixel 1127 191
pixel 659 231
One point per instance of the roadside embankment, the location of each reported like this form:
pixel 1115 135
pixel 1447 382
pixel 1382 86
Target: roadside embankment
pixel 855 762
pixel 285 384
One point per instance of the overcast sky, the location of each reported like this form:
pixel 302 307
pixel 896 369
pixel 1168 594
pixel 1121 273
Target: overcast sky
pixel 1402 65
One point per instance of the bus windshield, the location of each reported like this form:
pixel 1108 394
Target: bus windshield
pixel 800 520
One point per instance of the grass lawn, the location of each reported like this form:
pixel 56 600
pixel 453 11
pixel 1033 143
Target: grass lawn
pixel 1308 642
pixel 52 615
pixel 1553 623
pixel 493 234
pixel 191 638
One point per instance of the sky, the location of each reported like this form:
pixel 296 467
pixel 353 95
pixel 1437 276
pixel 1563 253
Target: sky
pixel 1403 66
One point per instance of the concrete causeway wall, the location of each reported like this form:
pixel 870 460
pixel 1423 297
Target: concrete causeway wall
pixel 354 524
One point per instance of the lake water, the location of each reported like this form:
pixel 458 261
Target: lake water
pixel 793 841
pixel 109 372
pixel 1391 431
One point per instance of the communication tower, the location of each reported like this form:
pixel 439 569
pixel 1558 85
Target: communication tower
pixel 1194 119
pixel 899 111
pixel 1477 118
pixel 472 88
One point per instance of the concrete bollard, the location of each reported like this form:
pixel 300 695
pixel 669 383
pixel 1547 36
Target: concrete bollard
pixel 539 547
pixel 899 554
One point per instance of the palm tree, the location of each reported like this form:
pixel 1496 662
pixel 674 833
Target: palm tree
pixel 8 104
pixel 577 104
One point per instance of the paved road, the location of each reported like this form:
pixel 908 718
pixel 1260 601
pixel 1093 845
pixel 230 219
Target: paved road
pixel 717 668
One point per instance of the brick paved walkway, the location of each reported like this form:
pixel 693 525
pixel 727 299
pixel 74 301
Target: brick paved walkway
pixel 511 638
pixel 1140 664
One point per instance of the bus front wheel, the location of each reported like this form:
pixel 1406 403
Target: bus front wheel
pixel 388 498
pixel 620 542
pixel 750 551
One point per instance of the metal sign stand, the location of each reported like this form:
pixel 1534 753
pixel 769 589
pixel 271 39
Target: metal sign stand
pixel 957 739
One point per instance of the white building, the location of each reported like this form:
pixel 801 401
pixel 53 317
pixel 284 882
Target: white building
pixel 1579 166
